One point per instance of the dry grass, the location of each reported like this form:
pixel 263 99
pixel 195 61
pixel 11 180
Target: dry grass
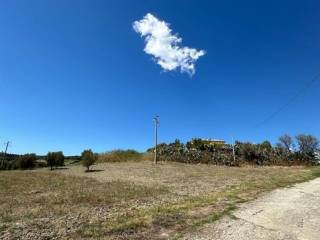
pixel 133 200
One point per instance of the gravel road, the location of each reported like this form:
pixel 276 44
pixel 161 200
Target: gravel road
pixel 286 214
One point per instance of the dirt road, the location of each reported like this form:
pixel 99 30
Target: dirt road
pixel 286 214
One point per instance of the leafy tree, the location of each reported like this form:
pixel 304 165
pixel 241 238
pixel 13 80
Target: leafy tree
pixel 264 153
pixel 266 146
pixel 88 158
pixel 308 144
pixel 51 160
pixel 55 159
pixel 59 159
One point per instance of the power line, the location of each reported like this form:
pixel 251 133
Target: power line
pixel 300 93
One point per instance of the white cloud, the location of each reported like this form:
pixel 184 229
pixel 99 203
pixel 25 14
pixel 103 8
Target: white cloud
pixel 165 46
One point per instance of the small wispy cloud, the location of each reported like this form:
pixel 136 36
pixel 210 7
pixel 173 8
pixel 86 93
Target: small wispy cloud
pixel 166 46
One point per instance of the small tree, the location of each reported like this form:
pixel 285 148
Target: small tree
pixel 59 159
pixel 51 160
pixel 55 159
pixel 88 158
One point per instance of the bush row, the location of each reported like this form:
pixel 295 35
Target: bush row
pixel 30 161
pixel 27 161
pixel 241 153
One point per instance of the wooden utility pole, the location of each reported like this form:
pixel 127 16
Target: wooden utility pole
pixel 5 151
pixel 156 120
pixel 233 151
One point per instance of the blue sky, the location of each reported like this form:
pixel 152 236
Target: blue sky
pixel 73 74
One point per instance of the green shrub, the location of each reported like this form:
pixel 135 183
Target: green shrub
pixel 27 161
pixel 88 158
pixel 50 160
pixel 59 159
pixel 55 159
pixel 41 164
pixel 8 165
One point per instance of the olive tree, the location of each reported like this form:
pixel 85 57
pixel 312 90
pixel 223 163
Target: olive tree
pixel 59 159
pixel 51 160
pixel 88 158
pixel 55 159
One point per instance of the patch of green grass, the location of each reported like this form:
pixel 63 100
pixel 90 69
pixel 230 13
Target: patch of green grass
pixel 316 171
pixel 68 162
pixel 214 216
pixel 92 230
pixel 122 225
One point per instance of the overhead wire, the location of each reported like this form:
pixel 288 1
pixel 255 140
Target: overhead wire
pixel 300 93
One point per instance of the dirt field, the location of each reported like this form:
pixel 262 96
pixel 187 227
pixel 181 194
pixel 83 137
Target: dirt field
pixel 133 200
